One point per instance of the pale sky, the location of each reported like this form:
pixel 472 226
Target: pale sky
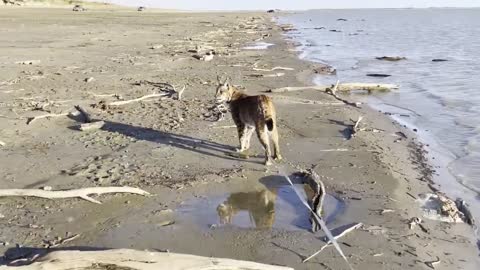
pixel 293 4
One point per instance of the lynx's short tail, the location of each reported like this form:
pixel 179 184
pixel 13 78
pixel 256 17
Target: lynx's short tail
pixel 268 112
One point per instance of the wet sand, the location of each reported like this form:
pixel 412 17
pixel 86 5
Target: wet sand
pixel 172 149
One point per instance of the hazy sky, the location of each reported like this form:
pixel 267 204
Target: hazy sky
pixel 293 4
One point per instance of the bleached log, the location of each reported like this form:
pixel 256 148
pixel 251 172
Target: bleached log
pixel 138 260
pixel 123 102
pixel 273 69
pixel 341 87
pixel 296 100
pixel 75 193
pixel 34 118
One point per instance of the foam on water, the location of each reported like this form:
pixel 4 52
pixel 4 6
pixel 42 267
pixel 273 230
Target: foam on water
pixel 442 99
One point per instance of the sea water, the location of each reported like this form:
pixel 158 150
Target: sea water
pixel 440 99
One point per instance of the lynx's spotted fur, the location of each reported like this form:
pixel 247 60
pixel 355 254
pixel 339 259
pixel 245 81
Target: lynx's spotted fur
pixel 251 113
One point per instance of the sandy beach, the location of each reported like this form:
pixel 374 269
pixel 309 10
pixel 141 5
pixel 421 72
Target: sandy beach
pixel 55 59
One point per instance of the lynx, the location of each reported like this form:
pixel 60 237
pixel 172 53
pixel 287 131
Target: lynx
pixel 251 113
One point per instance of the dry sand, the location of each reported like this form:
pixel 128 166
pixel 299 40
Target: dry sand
pixel 172 149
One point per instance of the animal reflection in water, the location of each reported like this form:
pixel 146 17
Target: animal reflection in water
pixel 259 204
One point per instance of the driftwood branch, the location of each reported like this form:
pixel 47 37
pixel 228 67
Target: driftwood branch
pixel 341 87
pixel 84 113
pixel 50 115
pixel 273 69
pixel 75 193
pixel 124 102
pixel 134 259
pixel 350 228
pixel 333 92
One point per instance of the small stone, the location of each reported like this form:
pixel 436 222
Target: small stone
pixel 47 188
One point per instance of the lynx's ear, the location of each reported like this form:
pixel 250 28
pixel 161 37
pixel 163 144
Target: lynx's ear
pixel 227 81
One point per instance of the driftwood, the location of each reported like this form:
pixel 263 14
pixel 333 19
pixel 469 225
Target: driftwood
pixel 91 126
pixel 138 260
pixel 295 100
pixel 50 115
pixel 312 179
pixel 124 102
pixel 272 69
pixel 333 92
pixel 355 127
pixel 341 87
pixel 350 228
pixel 2 143
pixel 84 113
pixel 75 193
pixel 279 74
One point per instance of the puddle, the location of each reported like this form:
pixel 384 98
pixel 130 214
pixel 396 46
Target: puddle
pixel 258 46
pixel 264 208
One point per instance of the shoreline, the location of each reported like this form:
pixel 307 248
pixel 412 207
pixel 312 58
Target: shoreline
pixel 439 157
pixel 182 162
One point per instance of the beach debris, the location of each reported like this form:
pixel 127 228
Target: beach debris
pixel 271 11
pixel 344 231
pixel 384 211
pixel 464 208
pixel 2 143
pixel 417 221
pixel 134 259
pixel 84 113
pixel 156 46
pixel 81 193
pixel 89 79
pixel 335 31
pixel 325 70
pixel 255 67
pixel 342 20
pixel 279 74
pixel 333 92
pixel 432 264
pixel 28 62
pixel 141 8
pixel 341 87
pixel 355 127
pixel 312 179
pixel 91 126
pixel 380 75
pixel 439 60
pixel 50 115
pixel 439 207
pixel 318 219
pixel 166 223
pixel 124 102
pixel 216 113
pixel 169 89
pixel 287 27
pixel 208 56
pixel 391 58
pixel 295 100
pixel 60 241
pixel 77 8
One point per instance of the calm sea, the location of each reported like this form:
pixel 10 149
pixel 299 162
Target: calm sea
pixel 440 99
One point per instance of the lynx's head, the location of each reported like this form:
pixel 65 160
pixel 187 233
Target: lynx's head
pixel 224 91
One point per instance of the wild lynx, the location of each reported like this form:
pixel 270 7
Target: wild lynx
pixel 251 113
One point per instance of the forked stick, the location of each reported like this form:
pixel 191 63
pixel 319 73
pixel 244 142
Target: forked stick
pixel 353 226
pixel 75 193
pixel 123 102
